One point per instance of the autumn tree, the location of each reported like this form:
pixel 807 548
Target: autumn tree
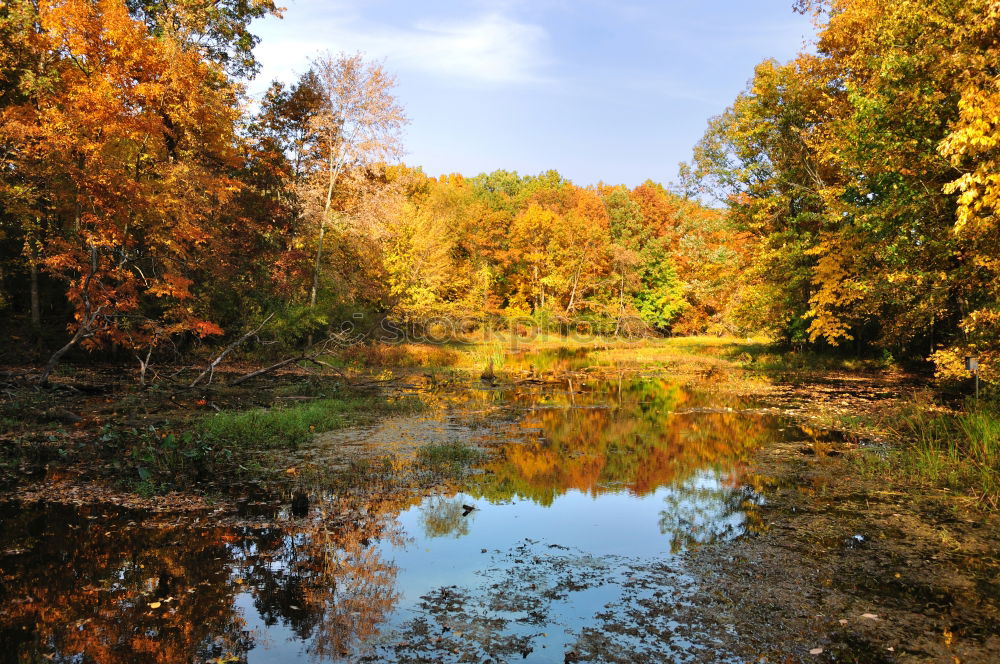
pixel 219 31
pixel 119 162
pixel 973 148
pixel 865 173
pixel 357 126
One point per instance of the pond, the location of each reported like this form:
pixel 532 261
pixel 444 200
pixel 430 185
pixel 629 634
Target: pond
pixel 566 545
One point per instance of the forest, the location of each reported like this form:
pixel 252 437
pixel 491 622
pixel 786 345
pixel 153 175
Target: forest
pixel 149 207
pixel 147 211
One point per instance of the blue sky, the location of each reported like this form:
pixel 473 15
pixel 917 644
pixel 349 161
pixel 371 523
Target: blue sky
pixel 599 90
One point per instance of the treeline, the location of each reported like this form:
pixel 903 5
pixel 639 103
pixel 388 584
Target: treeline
pixel 542 247
pixel 868 174
pixel 146 203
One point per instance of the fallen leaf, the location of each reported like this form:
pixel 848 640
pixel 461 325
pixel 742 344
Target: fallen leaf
pixel 870 616
pixel 154 605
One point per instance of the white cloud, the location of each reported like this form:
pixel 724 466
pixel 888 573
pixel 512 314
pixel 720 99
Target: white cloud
pixel 490 48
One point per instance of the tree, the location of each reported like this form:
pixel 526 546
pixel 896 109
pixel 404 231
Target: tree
pixel 218 30
pixel 117 163
pixel 358 125
pixel 866 173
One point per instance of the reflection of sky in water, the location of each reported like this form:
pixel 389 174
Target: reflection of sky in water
pixel 598 538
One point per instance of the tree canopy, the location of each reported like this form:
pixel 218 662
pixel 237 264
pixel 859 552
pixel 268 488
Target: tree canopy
pixel 146 205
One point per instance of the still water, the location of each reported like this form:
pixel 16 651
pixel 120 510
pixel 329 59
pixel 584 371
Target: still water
pixel 566 546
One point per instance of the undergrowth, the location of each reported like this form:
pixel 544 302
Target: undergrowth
pixel 219 448
pixel 958 451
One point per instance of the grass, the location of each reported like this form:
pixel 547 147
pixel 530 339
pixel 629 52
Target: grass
pixel 490 356
pixel 957 451
pixel 291 425
pixel 221 448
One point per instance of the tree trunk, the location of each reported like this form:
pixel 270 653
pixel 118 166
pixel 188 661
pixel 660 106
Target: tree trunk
pixel 36 309
pixel 621 304
pixel 81 332
pixel 87 322
pixel 538 301
pixel 333 171
pixel 572 294
pixel 316 265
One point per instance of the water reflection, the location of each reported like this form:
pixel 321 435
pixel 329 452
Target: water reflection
pixel 441 516
pixel 324 579
pixel 94 586
pixel 548 361
pixel 592 481
pixel 626 435
pixel 99 586
pixel 706 508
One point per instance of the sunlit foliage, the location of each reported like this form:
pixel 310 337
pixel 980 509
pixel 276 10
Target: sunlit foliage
pixel 867 175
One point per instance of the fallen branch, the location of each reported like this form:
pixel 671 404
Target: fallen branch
pixel 309 355
pixel 210 369
pixel 266 370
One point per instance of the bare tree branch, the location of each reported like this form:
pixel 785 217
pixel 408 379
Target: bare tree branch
pixel 210 369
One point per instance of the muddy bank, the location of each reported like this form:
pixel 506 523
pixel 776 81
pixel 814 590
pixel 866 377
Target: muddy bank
pixel 865 574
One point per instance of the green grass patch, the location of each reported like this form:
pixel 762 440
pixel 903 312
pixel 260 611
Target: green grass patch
pixel 223 448
pixel 294 424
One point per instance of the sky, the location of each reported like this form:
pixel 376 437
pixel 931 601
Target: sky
pixel 600 90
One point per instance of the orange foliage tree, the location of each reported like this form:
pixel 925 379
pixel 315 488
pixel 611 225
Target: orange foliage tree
pixel 119 161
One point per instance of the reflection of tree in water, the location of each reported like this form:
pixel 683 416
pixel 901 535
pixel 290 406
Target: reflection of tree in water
pixel 112 589
pixel 630 436
pixel 703 509
pixel 441 516
pixel 326 578
pixel 84 585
